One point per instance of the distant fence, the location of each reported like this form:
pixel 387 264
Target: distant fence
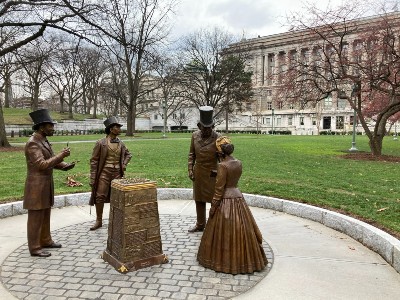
pixel 72 127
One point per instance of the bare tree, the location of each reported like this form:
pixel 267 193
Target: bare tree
pixel 92 68
pixel 132 30
pixel 354 58
pixel 212 75
pixel 114 90
pixel 68 58
pixel 21 22
pixel 8 66
pixel 33 60
pixel 172 93
pixel 26 21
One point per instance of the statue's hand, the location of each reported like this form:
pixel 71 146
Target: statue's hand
pixel 214 206
pixel 69 166
pixel 213 209
pixel 65 152
pixel 191 175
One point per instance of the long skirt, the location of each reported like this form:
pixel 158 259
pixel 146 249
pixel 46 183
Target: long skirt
pixel 232 242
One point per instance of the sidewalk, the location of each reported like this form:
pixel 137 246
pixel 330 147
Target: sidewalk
pixel 310 261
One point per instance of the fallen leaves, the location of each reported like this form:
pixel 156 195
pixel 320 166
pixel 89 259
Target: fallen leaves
pixel 72 182
pixel 382 209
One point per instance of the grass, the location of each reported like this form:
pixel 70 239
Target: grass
pixel 21 116
pixel 306 169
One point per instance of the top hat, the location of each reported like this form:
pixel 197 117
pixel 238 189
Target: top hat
pixel 111 121
pixel 206 116
pixel 40 116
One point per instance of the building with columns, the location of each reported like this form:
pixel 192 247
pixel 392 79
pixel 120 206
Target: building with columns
pixel 271 56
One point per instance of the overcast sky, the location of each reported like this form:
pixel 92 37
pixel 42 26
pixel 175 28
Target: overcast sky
pixel 242 17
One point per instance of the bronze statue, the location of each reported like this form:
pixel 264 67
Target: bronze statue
pixel 39 185
pixel 202 165
pixel 109 160
pixel 232 241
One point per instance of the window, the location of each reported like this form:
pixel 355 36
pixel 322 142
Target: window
pixel 305 56
pixel 341 103
pixel 351 120
pixel 269 105
pixel 326 123
pixel 301 120
pixel 314 121
pixel 278 121
pixel 155 117
pixel 280 104
pixel 290 121
pixel 339 122
pixel 328 101
pixel 267 121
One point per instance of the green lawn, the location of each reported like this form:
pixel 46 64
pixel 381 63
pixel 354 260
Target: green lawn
pixel 307 169
pixel 21 116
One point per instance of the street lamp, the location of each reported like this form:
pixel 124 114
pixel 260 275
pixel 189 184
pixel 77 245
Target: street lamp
pixel 165 118
pixel 272 121
pixel 354 94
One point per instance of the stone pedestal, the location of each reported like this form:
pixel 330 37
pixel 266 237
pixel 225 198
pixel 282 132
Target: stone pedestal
pixel 134 240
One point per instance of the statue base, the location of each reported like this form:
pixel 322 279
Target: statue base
pixel 124 267
pixel 134 240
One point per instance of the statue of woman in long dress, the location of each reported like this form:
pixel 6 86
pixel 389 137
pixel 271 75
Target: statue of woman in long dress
pixel 232 241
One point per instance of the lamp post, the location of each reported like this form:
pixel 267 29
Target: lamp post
pixel 354 94
pixel 165 118
pixel 272 132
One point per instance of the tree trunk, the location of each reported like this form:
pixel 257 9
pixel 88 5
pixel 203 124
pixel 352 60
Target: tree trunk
pixel 93 105
pixel 3 136
pixel 61 104
pixel 129 120
pixel 226 120
pixel 35 97
pixel 375 144
pixel 70 110
pixel 7 92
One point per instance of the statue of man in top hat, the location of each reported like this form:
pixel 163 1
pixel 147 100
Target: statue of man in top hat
pixel 109 160
pixel 39 186
pixel 202 165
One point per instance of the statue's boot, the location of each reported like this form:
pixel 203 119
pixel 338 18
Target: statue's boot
pixel 201 217
pixel 99 216
pixel 197 228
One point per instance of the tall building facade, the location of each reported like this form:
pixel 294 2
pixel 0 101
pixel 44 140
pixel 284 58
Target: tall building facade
pixel 270 57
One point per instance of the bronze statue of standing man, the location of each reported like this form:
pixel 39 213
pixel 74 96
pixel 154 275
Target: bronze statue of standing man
pixel 39 185
pixel 109 160
pixel 202 165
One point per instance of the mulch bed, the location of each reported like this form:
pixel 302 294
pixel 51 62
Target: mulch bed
pixel 371 157
pixel 11 149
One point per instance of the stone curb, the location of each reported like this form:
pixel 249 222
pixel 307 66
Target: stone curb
pixel 375 239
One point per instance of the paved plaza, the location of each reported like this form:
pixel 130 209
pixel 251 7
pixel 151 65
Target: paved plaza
pixel 306 261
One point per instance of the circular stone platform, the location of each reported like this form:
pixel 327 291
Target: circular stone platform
pixel 77 271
